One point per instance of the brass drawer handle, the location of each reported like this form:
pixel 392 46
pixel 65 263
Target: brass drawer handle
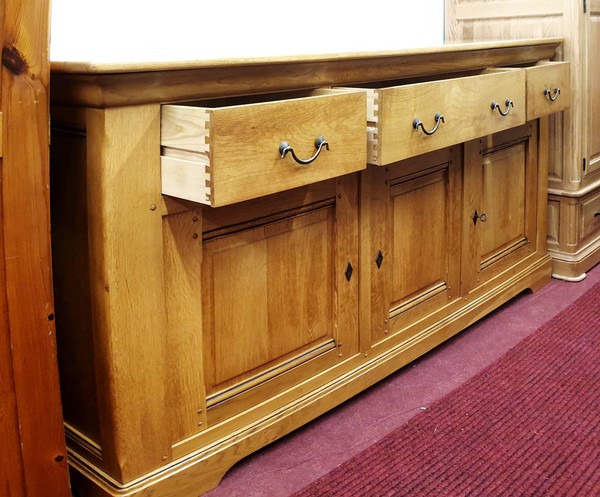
pixel 548 93
pixel 284 148
pixel 438 118
pixel 482 217
pixel 508 103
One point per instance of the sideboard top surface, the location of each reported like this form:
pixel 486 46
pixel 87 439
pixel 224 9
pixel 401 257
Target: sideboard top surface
pixel 110 85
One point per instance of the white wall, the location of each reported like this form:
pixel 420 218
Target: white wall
pixel 151 30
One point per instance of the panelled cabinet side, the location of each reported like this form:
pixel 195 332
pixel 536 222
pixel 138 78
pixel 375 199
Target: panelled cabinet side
pixel 192 335
pixel 127 391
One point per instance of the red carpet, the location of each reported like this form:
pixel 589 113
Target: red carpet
pixel 527 426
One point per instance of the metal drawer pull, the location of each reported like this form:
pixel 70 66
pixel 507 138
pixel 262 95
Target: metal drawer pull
pixel 285 147
pixel 482 217
pixel 548 93
pixel 597 214
pixel 509 104
pixel 438 118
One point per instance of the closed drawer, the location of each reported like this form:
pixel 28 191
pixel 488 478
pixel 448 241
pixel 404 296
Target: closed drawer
pixel 465 104
pixel 590 215
pixel 548 88
pixel 227 151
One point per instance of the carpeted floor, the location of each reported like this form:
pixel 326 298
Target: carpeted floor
pixel 312 451
pixel 528 425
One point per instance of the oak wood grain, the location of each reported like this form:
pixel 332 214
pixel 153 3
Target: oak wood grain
pixel 465 104
pixel 549 76
pixel 416 224
pixel 128 287
pixel 501 183
pixel 186 391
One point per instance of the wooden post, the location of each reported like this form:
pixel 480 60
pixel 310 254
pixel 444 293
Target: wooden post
pixel 31 432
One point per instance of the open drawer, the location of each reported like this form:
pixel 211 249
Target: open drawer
pixel 548 88
pixel 405 120
pixel 225 151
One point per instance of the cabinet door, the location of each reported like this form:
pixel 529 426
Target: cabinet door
pixel 279 292
pixel 592 95
pixel 415 242
pixel 499 218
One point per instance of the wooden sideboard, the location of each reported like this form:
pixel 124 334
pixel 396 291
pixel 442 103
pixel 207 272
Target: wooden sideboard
pixel 574 163
pixel 213 294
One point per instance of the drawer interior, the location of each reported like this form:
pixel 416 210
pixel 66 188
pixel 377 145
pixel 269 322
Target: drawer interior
pixel 218 103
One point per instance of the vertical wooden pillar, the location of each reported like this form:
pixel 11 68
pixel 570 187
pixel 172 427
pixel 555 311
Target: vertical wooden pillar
pixel 128 287
pixel 33 463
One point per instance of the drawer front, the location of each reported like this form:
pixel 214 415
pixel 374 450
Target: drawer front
pixel 590 216
pixel 223 155
pixel 548 88
pixel 464 103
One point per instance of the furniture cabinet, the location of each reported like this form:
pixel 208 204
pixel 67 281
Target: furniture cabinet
pixel 214 293
pixel 574 161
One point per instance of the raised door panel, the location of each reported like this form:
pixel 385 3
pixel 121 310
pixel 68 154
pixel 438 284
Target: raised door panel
pixel 503 187
pixel 415 246
pixel 279 303
pixel 593 90
pixel 253 276
pixel 499 218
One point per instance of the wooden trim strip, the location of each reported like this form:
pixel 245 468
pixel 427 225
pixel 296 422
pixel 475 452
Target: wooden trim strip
pixel 575 193
pixel 83 441
pixel 120 67
pixel 406 304
pixel 112 89
pixel 504 251
pixel 224 395
pixel 508 9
